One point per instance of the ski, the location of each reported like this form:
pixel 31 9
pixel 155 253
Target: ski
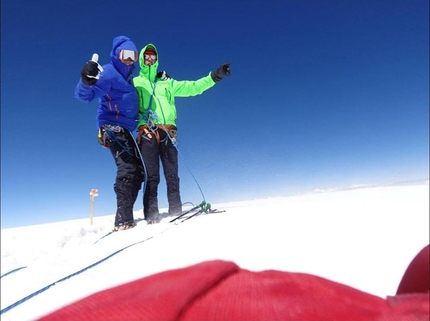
pixel 188 217
pixel 206 209
pixel 188 212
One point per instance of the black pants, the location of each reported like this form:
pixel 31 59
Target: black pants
pixel 152 152
pixel 129 175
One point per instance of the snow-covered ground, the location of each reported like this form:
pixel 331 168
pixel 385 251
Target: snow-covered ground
pixel 362 237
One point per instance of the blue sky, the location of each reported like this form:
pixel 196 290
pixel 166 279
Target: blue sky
pixel 323 94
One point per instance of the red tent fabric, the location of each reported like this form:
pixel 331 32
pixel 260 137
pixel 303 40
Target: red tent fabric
pixel 221 290
pixel 416 277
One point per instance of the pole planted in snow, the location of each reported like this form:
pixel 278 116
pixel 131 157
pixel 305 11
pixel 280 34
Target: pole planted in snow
pixel 94 192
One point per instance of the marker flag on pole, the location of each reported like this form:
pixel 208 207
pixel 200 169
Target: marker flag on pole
pixel 94 192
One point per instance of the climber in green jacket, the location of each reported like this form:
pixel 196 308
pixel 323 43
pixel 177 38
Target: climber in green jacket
pixel 157 126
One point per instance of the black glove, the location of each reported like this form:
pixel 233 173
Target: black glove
pixel 222 71
pixel 163 75
pixel 90 69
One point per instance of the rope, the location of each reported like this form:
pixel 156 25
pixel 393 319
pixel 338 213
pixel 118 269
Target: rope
pixel 149 115
pixel 112 136
pixel 71 275
pixel 143 163
pixel 14 270
pixel 189 170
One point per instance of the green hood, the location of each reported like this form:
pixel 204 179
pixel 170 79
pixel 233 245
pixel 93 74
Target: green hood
pixel 159 95
pixel 148 72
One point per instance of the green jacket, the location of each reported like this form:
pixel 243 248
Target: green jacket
pixel 163 92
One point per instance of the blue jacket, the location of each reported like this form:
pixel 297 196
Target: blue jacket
pixel 118 102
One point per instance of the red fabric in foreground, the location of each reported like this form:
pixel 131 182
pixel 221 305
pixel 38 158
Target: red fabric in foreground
pixel 220 290
pixel 416 277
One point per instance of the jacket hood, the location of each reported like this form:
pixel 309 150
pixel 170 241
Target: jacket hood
pixel 122 42
pixel 148 72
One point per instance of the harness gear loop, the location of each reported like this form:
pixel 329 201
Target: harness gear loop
pixel 146 132
pixel 101 137
pixel 171 132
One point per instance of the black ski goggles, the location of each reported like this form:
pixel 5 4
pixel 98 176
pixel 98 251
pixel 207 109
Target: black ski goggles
pixel 128 56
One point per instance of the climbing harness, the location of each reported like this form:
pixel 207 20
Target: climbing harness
pixel 147 132
pixel 107 133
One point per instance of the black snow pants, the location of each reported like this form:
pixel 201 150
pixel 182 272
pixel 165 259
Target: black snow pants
pixel 155 147
pixel 129 175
